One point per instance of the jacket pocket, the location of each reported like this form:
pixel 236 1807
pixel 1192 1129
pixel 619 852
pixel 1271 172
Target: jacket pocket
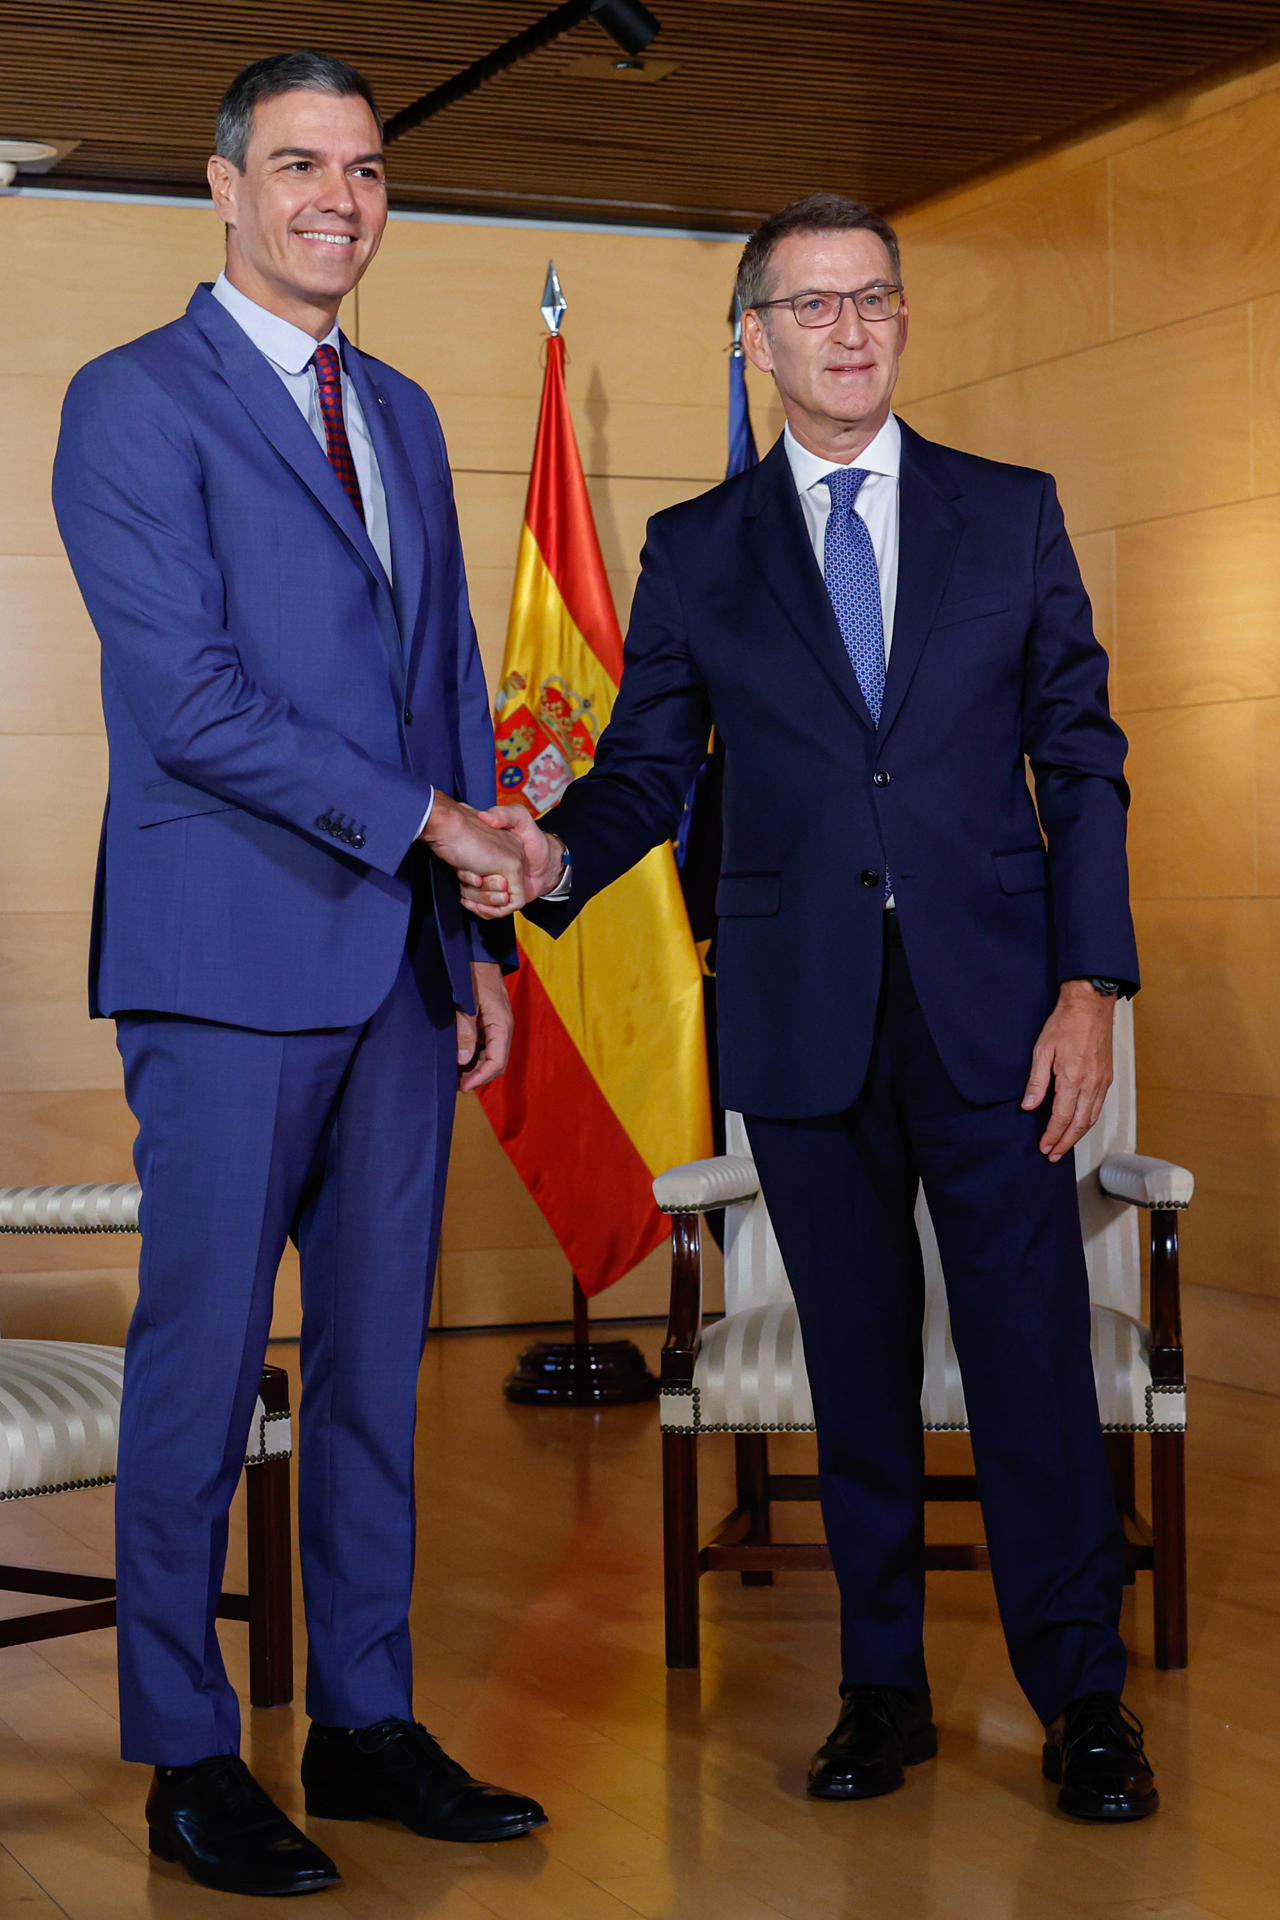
pixel 174 800
pixel 748 894
pixel 1026 871
pixel 984 607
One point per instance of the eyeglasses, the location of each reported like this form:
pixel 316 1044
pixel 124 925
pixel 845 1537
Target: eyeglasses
pixel 817 308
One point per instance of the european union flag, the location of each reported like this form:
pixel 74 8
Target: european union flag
pixel 699 839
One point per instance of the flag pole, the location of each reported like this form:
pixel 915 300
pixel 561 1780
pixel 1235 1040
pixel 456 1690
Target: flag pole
pixel 580 1372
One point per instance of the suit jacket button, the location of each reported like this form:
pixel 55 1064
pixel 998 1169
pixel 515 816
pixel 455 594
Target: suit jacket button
pixel 880 778
pixel 869 877
pixel 408 716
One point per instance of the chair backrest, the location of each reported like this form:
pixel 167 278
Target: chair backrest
pixel 754 1274
pixel 753 1271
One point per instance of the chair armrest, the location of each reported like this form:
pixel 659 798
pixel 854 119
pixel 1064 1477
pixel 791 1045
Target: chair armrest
pixel 684 1316
pixel 100 1207
pixel 1145 1182
pixel 1167 1367
pixel 699 1186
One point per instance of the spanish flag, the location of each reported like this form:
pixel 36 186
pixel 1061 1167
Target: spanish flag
pixel 607 1080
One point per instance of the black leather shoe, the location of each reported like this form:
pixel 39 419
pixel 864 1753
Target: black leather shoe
pixel 215 1819
pixel 880 1731
pixel 1093 1752
pixel 395 1769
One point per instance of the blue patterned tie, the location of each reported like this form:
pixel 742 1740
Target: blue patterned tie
pixel 853 582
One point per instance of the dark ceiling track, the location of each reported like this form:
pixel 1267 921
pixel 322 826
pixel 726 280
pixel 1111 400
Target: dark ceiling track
pixel 632 26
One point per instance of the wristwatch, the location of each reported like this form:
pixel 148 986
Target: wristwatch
pixel 1107 987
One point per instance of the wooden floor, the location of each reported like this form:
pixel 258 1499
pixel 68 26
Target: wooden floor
pixel 680 1797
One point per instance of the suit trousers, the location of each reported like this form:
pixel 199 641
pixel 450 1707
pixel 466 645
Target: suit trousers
pixel 340 1139
pixel 841 1192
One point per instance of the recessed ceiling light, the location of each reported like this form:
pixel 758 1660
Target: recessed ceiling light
pixel 613 66
pixel 21 153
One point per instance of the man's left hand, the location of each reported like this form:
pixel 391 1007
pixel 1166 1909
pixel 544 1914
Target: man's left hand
pixel 484 1037
pixel 1074 1051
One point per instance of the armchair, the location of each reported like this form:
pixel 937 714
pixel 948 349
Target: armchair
pixel 744 1375
pixel 59 1425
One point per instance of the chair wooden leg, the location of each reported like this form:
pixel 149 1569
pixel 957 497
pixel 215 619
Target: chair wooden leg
pixel 751 1452
pixel 270 1556
pixel 680 1546
pixel 1169 1525
pixel 270 1584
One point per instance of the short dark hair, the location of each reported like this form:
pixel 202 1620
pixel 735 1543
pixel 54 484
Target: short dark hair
pixel 816 213
pixel 305 70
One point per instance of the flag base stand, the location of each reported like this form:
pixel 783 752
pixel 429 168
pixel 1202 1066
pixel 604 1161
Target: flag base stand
pixel 581 1372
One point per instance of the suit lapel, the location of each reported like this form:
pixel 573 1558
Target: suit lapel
pixel 783 552
pixel 409 548
pixel 262 394
pixel 929 530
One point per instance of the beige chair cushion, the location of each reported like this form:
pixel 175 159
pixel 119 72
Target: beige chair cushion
pixel 750 1378
pixel 60 1418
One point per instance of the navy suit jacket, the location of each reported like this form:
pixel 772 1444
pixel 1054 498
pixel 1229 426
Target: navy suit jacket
pixel 994 664
pixel 276 710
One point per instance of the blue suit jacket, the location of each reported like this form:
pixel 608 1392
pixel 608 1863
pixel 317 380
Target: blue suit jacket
pixel 276 710
pixel 994 663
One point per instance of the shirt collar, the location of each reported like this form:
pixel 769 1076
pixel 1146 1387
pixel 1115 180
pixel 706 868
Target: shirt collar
pixel 884 455
pixel 287 346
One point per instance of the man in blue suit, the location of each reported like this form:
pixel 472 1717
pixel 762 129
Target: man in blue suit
pixel 912 986
pixel 261 521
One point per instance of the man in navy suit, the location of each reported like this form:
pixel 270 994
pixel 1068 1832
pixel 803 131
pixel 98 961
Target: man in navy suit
pixel 912 986
pixel 261 521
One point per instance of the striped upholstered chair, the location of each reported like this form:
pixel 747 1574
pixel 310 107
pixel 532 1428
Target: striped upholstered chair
pixel 745 1374
pixel 59 1423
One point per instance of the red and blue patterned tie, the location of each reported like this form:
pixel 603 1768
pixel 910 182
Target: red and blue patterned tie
pixel 329 377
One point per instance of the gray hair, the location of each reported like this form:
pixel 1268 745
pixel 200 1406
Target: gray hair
pixel 816 213
pixel 282 73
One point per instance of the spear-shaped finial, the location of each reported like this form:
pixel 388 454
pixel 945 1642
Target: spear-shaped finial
pixel 553 300
pixel 735 321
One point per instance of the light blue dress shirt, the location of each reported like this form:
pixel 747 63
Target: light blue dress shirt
pixel 289 350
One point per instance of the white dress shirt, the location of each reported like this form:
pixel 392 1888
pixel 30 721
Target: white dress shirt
pixel 877 504
pixel 289 350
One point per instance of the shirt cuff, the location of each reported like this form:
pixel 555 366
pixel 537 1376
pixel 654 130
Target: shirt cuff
pixel 426 816
pixel 564 885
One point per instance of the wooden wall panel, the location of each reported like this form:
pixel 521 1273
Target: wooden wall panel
pixel 1101 420
pixel 1268 796
pixel 1265 387
pixel 1193 832
pixel 1007 283
pixel 1208 1018
pixel 1232 1142
pixel 1096 553
pixel 457 308
pixel 48 1044
pixel 97 274
pixel 1198 607
pixel 51 793
pixel 48 648
pixel 1192 230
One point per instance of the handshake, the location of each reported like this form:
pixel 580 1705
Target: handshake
pixel 502 858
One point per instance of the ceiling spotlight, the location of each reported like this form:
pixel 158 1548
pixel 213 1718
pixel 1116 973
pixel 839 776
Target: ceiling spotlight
pixel 21 153
pixel 632 26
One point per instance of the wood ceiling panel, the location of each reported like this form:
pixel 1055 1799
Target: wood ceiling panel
pixel 767 99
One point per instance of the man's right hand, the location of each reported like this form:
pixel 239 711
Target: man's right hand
pixel 490 863
pixel 542 860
